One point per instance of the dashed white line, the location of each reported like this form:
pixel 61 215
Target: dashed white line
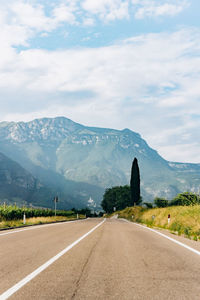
pixel 28 278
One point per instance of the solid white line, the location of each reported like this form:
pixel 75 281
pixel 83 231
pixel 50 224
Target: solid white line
pixel 28 278
pixel 167 237
pixel 39 226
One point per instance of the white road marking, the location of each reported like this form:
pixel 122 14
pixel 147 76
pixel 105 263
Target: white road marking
pixel 28 278
pixel 38 226
pixel 167 237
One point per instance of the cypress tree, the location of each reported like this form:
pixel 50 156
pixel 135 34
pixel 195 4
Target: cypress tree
pixel 135 183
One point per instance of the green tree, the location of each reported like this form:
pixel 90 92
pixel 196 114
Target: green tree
pixel 186 199
pixel 123 197
pixel 118 197
pixel 148 204
pixel 109 200
pixel 161 202
pixel 135 183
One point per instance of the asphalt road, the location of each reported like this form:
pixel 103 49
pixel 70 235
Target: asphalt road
pixel 118 260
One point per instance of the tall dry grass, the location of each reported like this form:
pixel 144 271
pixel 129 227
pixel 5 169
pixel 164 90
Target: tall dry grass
pixel 37 220
pixel 183 219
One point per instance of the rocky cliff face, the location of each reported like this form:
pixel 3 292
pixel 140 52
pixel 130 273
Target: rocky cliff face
pixel 16 184
pixel 86 160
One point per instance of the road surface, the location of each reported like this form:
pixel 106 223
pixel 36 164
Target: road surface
pixel 118 260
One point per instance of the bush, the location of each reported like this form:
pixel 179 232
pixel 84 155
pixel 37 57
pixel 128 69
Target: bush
pixel 185 199
pixel 118 197
pixel 9 213
pixel 148 204
pixel 161 202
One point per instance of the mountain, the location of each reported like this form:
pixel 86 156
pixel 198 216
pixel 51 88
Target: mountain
pixel 19 186
pixel 82 161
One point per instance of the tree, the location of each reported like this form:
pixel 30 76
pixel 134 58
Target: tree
pixel 109 200
pixel 123 197
pixel 186 199
pixel 161 202
pixel 135 183
pixel 118 197
pixel 148 204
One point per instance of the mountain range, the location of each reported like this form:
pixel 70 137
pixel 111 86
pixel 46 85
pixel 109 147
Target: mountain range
pixel 78 163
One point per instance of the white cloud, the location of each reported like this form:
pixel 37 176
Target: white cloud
pixel 21 21
pixel 66 13
pixel 88 22
pixel 135 83
pixel 107 9
pixel 150 8
pixel 188 152
pixel 30 16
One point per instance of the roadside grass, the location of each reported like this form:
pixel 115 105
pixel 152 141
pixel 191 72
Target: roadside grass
pixel 37 220
pixel 184 220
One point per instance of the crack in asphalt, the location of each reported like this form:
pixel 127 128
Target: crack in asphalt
pixel 85 265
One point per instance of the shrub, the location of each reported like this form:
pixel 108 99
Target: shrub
pixel 148 204
pixel 15 213
pixel 185 199
pixel 160 202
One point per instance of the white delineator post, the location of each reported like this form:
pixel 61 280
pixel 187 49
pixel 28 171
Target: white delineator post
pixel 55 201
pixel 168 218
pixel 24 218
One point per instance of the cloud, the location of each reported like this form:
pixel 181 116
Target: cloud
pixel 88 22
pixel 107 10
pixel 182 152
pixel 149 8
pixel 133 83
pixel 30 16
pixel 21 21
pixel 66 13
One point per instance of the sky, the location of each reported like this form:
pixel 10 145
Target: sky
pixel 108 63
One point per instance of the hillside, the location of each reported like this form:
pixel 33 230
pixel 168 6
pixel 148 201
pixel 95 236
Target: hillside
pixel 83 161
pixel 18 186
pixel 184 220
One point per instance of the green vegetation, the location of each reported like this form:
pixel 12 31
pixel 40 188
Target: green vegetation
pixel 12 216
pixel 8 213
pixel 148 204
pixel 161 202
pixel 135 183
pixel 182 199
pixel 186 199
pixel 117 197
pixel 37 220
pixel 184 220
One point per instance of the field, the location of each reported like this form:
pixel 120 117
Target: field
pixel 184 220
pixel 12 216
